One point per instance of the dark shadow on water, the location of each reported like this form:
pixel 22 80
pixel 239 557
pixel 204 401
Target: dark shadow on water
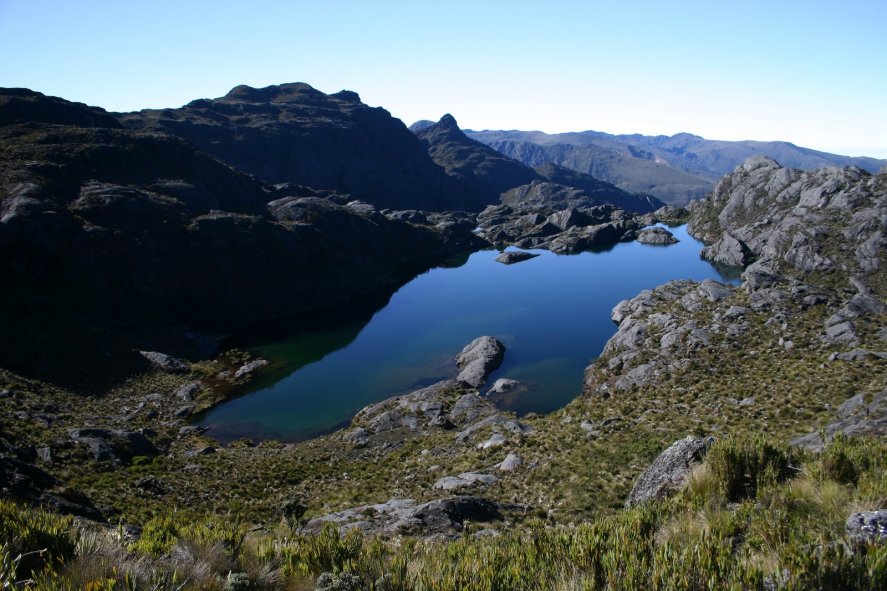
pixel 358 311
pixel 727 272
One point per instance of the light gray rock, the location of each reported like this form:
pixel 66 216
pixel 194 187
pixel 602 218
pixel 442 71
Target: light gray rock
pixel 669 472
pixel 511 463
pixel 187 392
pixel 248 368
pixel 854 418
pixel 465 480
pixel 470 407
pixel 715 291
pixel 657 236
pixel 433 406
pixel 842 332
pixel 851 406
pixel 405 516
pixel 503 385
pixel 728 250
pixel 495 440
pixel 359 437
pixel 500 421
pixel 478 359
pixel 113 445
pixel 166 362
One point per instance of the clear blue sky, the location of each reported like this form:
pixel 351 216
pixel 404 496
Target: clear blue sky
pixel 814 73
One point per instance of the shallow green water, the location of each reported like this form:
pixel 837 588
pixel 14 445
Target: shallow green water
pixel 552 312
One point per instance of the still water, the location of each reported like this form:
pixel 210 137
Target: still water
pixel 552 312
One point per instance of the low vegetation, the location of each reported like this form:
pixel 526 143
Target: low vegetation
pixel 756 514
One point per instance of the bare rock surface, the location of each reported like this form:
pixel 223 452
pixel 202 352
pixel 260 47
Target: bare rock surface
pixel 658 236
pixel 478 359
pixel 826 220
pixel 465 480
pixel 509 257
pixel 854 417
pixel 405 516
pixel 669 472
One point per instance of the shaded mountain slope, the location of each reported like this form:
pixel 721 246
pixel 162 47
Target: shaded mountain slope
pixel 599 190
pixel 292 133
pixel 487 172
pixel 635 175
pixel 128 238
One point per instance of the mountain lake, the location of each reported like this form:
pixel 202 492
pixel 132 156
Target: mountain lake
pixel 552 312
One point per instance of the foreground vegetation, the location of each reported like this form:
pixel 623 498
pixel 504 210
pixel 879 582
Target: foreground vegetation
pixel 754 515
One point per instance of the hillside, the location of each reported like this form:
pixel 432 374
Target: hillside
pixel 635 175
pixel 492 177
pixel 129 239
pixel 487 172
pixel 295 134
pixel 616 158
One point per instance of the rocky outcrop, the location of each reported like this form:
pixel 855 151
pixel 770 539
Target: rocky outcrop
pixel 728 251
pixel 451 404
pixel 114 445
pixel 658 236
pixel 293 133
pixel 465 480
pixel 511 463
pixel 831 220
pixel 405 516
pixel 25 482
pixel 651 342
pixel 434 406
pixel 561 228
pixel 478 359
pixel 166 362
pixel 854 417
pixel 510 257
pixel 669 472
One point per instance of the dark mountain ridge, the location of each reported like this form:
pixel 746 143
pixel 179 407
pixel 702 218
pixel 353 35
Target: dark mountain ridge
pixel 118 237
pixel 493 177
pixel 487 172
pixel 293 133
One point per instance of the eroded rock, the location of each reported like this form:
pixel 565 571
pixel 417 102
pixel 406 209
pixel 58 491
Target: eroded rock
pixel 669 472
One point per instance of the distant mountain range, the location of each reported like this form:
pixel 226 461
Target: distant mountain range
pixel 492 177
pixel 673 168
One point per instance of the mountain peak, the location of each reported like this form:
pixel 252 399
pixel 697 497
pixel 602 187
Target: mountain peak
pixel 274 93
pixel 448 122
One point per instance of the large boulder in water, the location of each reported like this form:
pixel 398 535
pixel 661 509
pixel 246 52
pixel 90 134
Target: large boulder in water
pixel 478 359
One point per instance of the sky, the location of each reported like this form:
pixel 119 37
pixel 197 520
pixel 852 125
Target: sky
pixel 812 73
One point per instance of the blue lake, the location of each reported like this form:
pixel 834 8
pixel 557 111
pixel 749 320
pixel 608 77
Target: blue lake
pixel 552 312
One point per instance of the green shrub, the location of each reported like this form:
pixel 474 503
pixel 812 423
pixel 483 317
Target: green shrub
pixel 33 538
pixel 743 467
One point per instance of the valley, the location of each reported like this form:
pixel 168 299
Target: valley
pixel 240 349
